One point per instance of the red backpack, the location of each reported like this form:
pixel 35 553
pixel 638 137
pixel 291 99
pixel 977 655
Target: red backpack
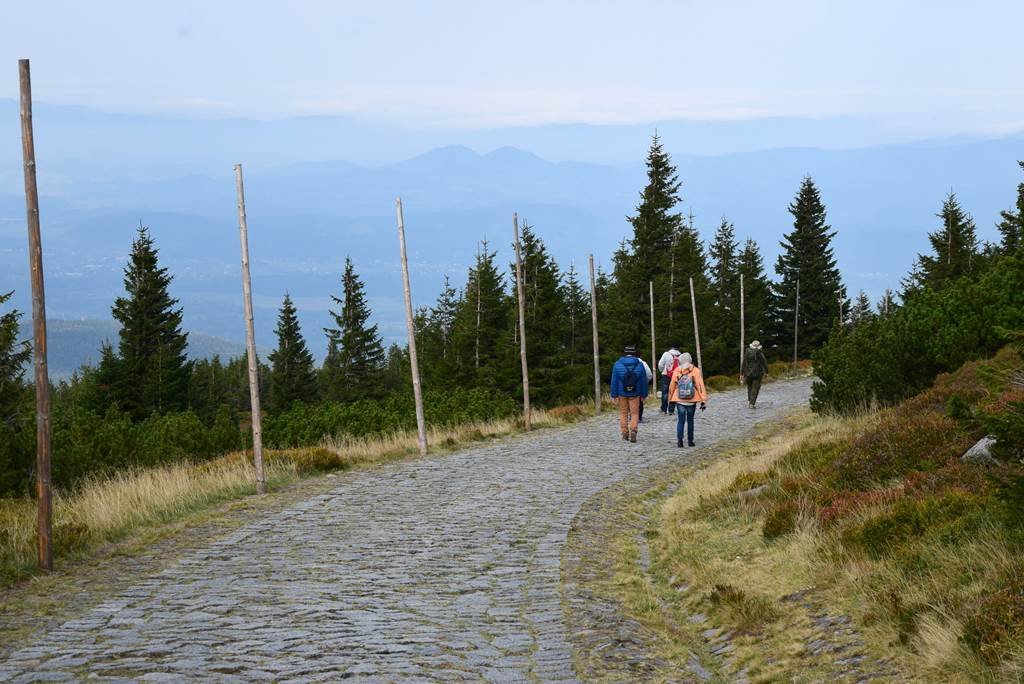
pixel 675 363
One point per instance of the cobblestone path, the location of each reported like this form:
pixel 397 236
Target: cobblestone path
pixel 440 568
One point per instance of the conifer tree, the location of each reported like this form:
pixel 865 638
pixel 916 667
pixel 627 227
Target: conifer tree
pixel 578 340
pixel 355 355
pixel 807 256
pixel 208 388
pixel 483 327
pixel 887 304
pixel 757 294
pixel 545 318
pixel 722 318
pixel 861 311
pixel 151 372
pixel 955 250
pixel 434 336
pixel 397 370
pixel 1011 227
pixel 292 372
pixel 13 357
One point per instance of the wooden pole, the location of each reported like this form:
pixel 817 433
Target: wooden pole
pixel 250 338
pixel 696 330
pixel 650 287
pixel 743 325
pixel 417 392
pixel 44 519
pixel 796 322
pixel 522 322
pixel 593 323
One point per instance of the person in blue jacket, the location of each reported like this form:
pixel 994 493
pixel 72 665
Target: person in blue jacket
pixel 629 389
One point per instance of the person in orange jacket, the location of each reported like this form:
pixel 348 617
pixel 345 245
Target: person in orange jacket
pixel 687 391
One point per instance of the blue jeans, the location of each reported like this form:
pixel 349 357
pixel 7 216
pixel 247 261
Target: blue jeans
pixel 685 415
pixel 666 407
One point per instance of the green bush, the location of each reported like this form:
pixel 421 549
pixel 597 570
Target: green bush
pixel 781 520
pixel 997 622
pixel 908 520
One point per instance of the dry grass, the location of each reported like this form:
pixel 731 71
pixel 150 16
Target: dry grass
pixel 107 509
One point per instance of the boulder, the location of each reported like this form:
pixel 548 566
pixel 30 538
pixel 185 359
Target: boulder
pixel 981 452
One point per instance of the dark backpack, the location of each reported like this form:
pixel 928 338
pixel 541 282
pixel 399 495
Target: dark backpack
pixel 753 363
pixel 630 379
pixel 685 387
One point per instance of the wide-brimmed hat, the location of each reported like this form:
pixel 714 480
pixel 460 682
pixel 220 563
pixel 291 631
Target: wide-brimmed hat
pixel 755 345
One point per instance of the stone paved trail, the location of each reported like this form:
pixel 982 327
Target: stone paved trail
pixel 440 568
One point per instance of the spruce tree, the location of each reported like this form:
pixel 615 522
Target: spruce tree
pixel 14 355
pixel 807 256
pixel 483 329
pixel 1011 227
pixel 355 355
pixel 722 319
pixel 151 371
pixel 861 311
pixel 434 336
pixel 579 336
pixel 757 294
pixel 292 372
pixel 208 388
pixel 955 250
pixel 887 304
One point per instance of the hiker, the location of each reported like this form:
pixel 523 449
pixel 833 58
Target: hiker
pixel 650 385
pixel 666 367
pixel 629 388
pixel 752 371
pixel 687 390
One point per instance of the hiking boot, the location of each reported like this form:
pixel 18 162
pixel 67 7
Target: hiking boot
pixel 625 436
pixel 690 443
pixel 632 436
pixel 679 443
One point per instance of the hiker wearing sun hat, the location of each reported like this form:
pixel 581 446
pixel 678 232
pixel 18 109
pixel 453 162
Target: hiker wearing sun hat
pixel 629 389
pixel 753 370
pixel 687 391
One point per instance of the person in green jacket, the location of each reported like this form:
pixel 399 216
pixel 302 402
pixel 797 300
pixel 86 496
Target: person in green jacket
pixel 753 370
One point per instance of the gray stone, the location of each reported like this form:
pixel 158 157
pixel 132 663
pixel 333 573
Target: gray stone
pixel 981 452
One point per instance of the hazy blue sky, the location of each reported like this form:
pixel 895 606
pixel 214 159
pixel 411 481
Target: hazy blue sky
pixel 927 65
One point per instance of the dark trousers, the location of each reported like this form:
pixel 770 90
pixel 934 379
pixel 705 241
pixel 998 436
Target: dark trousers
pixel 753 388
pixel 685 414
pixel 666 405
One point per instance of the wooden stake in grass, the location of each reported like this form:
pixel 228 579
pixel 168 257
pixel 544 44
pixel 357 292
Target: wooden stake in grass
pixel 44 520
pixel 522 321
pixel 743 325
pixel 650 287
pixel 696 330
pixel 417 392
pixel 796 322
pixel 250 339
pixel 597 348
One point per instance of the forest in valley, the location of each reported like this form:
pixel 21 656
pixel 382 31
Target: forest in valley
pixel 145 403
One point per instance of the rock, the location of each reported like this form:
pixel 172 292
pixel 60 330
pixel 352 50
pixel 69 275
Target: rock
pixel 753 493
pixel 981 452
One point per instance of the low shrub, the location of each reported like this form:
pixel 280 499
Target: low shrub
pixel 747 611
pixel 749 480
pixel 908 519
pixel 781 520
pixel 720 383
pixel 996 622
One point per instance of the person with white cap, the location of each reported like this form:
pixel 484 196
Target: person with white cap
pixel 753 370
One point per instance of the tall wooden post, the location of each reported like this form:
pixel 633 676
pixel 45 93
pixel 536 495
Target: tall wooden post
pixel 522 322
pixel 796 322
pixel 597 348
pixel 696 330
pixel 417 392
pixel 650 287
pixel 44 520
pixel 743 324
pixel 250 339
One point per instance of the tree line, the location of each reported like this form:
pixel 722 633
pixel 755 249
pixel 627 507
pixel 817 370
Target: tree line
pixel 468 339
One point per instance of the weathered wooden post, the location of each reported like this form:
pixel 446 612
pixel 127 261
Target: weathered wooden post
pixel 522 322
pixel 597 348
pixel 250 339
pixel 44 520
pixel 796 323
pixel 650 287
pixel 417 392
pixel 743 325
pixel 696 330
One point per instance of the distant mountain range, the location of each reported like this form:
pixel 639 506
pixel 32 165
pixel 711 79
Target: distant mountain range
pixel 75 343
pixel 305 217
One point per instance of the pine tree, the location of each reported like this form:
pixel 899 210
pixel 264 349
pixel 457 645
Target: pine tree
pixel 151 371
pixel 757 293
pixel 483 328
pixel 434 337
pixel 292 372
pixel 955 251
pixel 722 320
pixel 579 336
pixel 887 304
pixel 13 357
pixel 397 370
pixel 208 388
pixel 861 311
pixel 807 256
pixel 355 355
pixel 1012 225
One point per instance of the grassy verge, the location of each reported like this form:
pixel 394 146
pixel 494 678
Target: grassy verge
pixel 104 510
pixel 847 547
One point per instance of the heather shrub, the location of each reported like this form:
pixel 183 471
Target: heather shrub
pixel 996 622
pixel 781 520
